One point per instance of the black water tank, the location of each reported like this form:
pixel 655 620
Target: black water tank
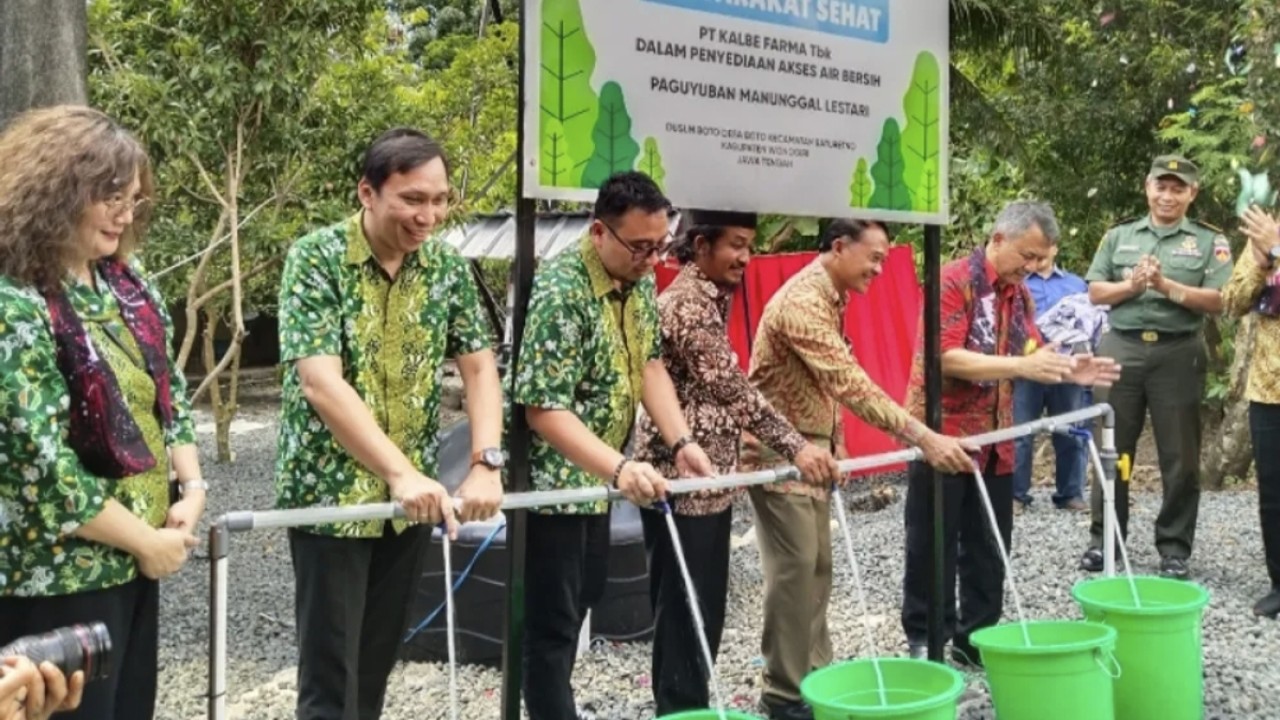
pixel 480 604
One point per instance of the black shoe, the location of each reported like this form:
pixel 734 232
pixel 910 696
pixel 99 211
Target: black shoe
pixel 1091 560
pixel 918 652
pixel 966 654
pixel 1174 568
pixel 1269 605
pixel 783 710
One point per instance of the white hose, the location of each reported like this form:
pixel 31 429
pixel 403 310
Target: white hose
pixel 843 518
pixel 448 614
pixel 1004 553
pixel 699 625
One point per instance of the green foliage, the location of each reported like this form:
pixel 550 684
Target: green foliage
pixel 311 83
pixel 495 273
pixel 435 31
pixel 651 163
pixel 615 149
pixel 922 136
pixel 1216 135
pixel 1086 110
pixel 891 192
pixel 981 184
pixel 787 233
pixel 566 95
pixel 860 188
pixel 194 79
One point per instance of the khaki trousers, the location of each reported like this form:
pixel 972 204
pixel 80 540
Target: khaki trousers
pixel 794 534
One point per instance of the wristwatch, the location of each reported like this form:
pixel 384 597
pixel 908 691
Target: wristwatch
pixel 681 443
pixel 1275 255
pixel 492 458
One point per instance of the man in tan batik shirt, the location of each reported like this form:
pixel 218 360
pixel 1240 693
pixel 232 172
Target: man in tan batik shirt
pixel 804 368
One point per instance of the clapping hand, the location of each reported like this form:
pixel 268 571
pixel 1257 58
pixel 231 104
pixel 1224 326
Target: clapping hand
pixel 1263 231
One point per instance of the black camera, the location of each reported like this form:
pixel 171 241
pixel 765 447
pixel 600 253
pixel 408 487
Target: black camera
pixel 72 648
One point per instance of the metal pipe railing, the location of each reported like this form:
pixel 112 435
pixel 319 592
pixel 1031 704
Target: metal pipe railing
pixel 243 521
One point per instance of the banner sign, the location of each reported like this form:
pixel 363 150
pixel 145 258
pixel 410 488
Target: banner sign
pixel 828 108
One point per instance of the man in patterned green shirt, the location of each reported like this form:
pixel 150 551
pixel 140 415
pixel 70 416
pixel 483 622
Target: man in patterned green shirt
pixel 370 308
pixel 589 358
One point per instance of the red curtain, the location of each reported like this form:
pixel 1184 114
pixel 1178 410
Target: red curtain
pixel 881 326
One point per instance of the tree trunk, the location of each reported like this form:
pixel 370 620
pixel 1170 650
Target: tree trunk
pixel 221 421
pixel 42 54
pixel 1228 452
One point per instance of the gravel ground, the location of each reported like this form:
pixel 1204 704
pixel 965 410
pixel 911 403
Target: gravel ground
pixel 1242 678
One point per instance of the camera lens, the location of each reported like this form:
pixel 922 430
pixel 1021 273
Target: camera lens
pixel 78 647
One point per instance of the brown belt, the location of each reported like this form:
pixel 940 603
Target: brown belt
pixel 1151 336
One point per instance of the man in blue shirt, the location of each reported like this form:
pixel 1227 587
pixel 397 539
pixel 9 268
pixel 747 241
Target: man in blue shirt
pixel 1049 284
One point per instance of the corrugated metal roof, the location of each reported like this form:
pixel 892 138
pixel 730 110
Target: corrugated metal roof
pixel 494 236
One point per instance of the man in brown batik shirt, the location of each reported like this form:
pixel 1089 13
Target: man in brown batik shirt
pixel 719 403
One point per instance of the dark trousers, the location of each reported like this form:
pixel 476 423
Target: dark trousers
pixel 1264 426
pixel 969 548
pixel 131 613
pixel 1167 378
pixel 679 675
pixel 566 568
pixel 352 598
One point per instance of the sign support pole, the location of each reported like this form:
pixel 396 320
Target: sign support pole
pixel 518 433
pixel 933 417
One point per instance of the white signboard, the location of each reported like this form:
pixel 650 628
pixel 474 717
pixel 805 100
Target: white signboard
pixel 830 108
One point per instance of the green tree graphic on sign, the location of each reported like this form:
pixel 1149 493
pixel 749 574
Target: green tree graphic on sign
pixel 651 163
pixel 891 190
pixel 860 188
pixel 554 164
pixel 921 136
pixel 566 95
pixel 615 150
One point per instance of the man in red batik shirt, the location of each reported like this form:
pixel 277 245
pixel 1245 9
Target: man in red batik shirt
pixel 989 339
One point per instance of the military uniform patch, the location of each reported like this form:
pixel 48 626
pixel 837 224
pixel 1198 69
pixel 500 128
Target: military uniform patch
pixel 1190 247
pixel 1221 249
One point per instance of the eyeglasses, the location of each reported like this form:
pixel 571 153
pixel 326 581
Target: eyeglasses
pixel 118 204
pixel 642 249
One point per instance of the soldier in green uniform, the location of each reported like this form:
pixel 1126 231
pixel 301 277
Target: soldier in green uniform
pixel 1160 275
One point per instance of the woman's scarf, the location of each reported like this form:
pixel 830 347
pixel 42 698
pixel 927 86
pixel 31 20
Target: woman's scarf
pixel 103 433
pixel 984 325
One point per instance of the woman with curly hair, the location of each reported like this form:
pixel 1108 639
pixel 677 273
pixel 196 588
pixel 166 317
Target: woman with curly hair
pixel 93 409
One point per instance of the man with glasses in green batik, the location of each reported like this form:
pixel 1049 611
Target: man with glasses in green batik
pixel 589 360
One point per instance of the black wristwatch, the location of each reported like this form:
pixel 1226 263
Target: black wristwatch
pixel 492 458
pixel 680 444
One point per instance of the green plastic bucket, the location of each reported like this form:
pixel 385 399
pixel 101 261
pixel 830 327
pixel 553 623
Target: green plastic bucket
pixel 1065 674
pixel 913 690
pixel 1158 644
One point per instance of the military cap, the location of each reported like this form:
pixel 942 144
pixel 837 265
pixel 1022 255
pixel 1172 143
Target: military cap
pixel 1177 166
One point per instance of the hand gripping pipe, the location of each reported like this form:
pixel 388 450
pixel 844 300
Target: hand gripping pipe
pixel 242 521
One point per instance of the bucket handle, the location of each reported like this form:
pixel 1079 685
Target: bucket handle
pixel 1106 660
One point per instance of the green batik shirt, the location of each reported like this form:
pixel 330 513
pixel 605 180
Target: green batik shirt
pixel 584 350
pixel 1190 253
pixel 45 493
pixel 392 336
